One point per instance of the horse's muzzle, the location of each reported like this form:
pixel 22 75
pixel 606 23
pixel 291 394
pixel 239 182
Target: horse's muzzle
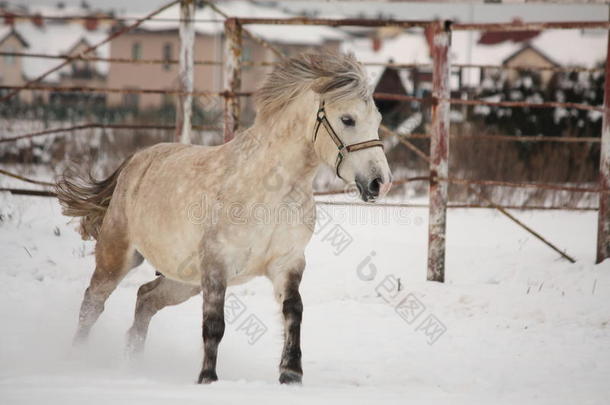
pixel 372 189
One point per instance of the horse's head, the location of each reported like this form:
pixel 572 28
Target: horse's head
pixel 347 124
pixel 344 116
pixel 346 137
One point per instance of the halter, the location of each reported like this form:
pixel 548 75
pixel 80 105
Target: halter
pixel 343 149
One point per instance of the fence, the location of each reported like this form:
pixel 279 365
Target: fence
pixel 439 101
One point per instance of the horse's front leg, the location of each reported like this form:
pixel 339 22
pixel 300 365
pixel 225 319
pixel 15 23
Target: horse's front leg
pixel 213 285
pixel 287 292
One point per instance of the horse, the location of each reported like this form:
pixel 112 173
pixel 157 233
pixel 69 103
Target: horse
pixel 208 217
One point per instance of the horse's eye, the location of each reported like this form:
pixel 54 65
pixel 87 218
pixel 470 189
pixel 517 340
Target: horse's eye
pixel 348 121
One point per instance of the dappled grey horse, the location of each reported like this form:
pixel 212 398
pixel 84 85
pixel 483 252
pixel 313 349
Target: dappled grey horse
pixel 210 217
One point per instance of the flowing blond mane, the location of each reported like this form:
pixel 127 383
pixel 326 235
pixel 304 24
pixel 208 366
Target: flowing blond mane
pixel 337 76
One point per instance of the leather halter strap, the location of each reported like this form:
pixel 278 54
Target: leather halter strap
pixel 342 148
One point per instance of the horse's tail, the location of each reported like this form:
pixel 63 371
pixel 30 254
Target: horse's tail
pixel 81 195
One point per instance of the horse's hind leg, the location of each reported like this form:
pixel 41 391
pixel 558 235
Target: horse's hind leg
pixel 114 257
pixel 152 297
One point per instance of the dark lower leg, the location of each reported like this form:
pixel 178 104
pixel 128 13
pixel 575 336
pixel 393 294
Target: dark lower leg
pixel 213 327
pixel 292 309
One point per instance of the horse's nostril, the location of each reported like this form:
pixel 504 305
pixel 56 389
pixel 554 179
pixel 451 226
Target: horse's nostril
pixel 374 186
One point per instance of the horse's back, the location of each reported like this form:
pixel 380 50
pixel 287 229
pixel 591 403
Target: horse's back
pixel 158 167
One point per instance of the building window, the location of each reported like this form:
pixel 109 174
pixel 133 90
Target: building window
pixel 131 100
pixel 10 59
pixel 167 56
pixel 136 51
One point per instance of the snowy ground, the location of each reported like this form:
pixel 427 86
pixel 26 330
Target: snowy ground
pixel 520 325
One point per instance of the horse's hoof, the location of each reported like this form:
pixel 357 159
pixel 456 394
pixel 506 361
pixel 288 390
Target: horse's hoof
pixel 290 377
pixel 207 376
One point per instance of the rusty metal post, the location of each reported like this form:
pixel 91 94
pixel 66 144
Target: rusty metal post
pixel 184 109
pixel 232 77
pixel 439 151
pixel 603 216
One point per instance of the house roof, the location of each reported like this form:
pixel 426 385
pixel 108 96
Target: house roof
pixel 7 32
pixel 526 47
pixel 302 35
pixel 56 39
pixel 562 47
pixel 496 37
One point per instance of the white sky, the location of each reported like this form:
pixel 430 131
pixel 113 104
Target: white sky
pixel 463 12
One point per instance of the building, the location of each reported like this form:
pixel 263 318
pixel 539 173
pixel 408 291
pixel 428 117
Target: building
pixel 73 30
pixel 587 48
pixel 546 49
pixel 11 66
pixel 160 40
pixel 62 36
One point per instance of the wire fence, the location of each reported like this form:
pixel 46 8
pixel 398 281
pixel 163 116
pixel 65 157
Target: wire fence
pixel 93 58
pixel 438 102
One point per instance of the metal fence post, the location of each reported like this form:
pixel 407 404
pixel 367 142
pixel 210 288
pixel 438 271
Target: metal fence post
pixel 603 216
pixel 439 151
pixel 184 108
pixel 232 77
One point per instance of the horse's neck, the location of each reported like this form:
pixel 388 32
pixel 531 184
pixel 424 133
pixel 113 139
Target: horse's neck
pixel 282 148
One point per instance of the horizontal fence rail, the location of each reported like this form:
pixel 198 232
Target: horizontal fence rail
pixel 269 64
pixel 502 138
pixel 512 138
pixel 531 26
pixel 512 104
pixel 86 89
pixel 53 131
pixel 380 96
pixel 39 17
pixel 111 60
pixel 47 193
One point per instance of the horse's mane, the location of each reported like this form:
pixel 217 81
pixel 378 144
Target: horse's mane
pixel 338 76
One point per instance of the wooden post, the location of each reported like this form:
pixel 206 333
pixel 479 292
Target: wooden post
pixel 232 77
pixel 184 109
pixel 603 216
pixel 439 151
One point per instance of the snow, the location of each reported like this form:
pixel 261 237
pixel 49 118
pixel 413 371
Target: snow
pixel 522 325
pixel 304 35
